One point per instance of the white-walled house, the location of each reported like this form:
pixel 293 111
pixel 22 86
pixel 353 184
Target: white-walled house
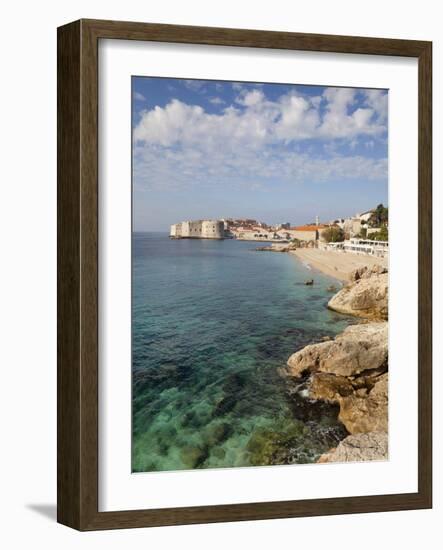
pixel 361 246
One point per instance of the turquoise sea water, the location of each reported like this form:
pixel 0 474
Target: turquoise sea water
pixel 212 323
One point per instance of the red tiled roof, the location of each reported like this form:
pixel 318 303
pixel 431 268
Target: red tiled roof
pixel 308 227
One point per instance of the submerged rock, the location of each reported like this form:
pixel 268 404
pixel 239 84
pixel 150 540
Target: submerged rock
pixel 274 248
pixel 217 433
pixel 193 456
pixel 359 448
pixel 219 453
pixel 224 406
pixel 293 444
pixel 234 383
pixel 365 297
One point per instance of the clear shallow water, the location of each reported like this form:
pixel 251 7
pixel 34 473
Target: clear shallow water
pixel 212 323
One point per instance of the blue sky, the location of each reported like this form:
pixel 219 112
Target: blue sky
pixel 274 152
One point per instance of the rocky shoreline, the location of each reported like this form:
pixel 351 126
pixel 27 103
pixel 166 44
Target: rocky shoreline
pixel 351 371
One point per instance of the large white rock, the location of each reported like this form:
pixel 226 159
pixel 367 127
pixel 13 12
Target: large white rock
pixel 359 448
pixel 366 297
pixel 368 412
pixel 358 348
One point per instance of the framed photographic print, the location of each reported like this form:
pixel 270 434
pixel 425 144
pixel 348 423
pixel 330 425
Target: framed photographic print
pixel 244 274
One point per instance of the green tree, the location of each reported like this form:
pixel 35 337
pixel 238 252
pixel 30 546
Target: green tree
pixel 379 216
pixel 381 235
pixel 333 234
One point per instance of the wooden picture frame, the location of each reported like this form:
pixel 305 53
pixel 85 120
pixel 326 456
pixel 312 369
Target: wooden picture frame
pixel 78 273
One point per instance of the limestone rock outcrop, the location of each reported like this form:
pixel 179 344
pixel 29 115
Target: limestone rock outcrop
pixel 367 271
pixel 350 370
pixel 358 448
pixel 357 349
pixel 367 411
pixel 366 297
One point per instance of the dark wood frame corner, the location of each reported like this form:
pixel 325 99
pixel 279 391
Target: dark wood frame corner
pixel 77 172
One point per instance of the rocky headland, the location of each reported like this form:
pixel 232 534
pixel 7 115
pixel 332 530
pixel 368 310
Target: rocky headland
pixel 351 370
pixel 366 296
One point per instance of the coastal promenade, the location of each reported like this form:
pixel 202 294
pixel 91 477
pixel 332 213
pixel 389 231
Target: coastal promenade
pixel 336 264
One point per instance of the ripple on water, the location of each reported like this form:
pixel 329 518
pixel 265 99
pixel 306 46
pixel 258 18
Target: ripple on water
pixel 212 322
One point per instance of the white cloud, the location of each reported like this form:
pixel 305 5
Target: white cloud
pixel 316 100
pixel 250 98
pixel 257 139
pixel 291 118
pixel 190 125
pixel 342 121
pixel 139 97
pixel 217 101
pixel 378 101
pixel 160 168
pixel 194 85
pixel 299 119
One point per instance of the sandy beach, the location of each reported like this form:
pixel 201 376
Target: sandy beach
pixel 336 264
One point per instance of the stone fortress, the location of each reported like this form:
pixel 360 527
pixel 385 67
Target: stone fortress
pixel 199 229
pixel 304 236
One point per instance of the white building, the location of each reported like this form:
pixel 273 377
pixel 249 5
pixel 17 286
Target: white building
pixel 365 216
pixel 362 246
pixel 198 229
